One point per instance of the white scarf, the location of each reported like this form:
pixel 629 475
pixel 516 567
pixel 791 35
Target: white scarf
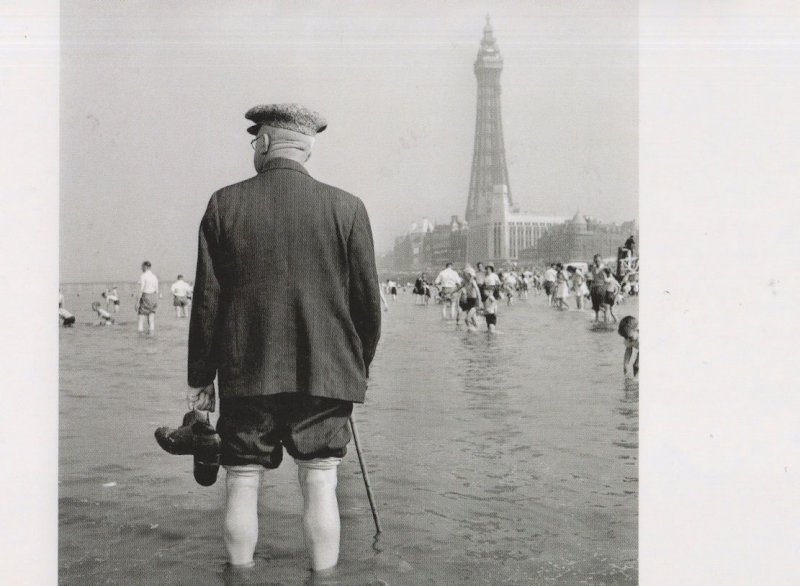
pixel 285 144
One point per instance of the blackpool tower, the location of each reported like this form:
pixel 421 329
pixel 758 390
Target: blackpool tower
pixel 489 171
pixel 498 232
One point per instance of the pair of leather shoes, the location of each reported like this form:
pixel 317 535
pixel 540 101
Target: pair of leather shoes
pixel 198 438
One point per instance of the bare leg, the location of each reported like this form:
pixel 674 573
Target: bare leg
pixel 241 513
pixel 177 311
pixel 321 523
pixel 142 319
pixel 151 320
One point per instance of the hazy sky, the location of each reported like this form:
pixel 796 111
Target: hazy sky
pixel 153 96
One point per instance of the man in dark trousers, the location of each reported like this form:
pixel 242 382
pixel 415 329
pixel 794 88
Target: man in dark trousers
pixel 286 314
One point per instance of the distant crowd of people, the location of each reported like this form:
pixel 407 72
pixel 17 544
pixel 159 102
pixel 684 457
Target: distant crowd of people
pixel 476 292
pixel 145 304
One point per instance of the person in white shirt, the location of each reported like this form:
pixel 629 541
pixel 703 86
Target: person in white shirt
pixel 181 293
pixel 391 287
pixel 447 281
pixel 492 283
pixel 148 298
pixel 550 283
pixel 68 320
pixel 113 298
pixel 510 286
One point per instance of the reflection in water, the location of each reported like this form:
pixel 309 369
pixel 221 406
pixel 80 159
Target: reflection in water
pixel 494 459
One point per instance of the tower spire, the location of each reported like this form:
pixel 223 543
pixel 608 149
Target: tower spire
pixel 489 170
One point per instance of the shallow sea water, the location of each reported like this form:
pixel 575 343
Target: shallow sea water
pixel 495 459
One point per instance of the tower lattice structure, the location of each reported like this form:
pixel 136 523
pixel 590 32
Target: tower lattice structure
pixel 489 170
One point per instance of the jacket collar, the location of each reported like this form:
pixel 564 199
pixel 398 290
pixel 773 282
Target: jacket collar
pixel 281 163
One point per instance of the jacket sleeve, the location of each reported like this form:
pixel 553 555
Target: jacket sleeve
pixel 365 300
pixel 205 302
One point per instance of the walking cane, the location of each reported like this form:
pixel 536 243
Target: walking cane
pixel 364 473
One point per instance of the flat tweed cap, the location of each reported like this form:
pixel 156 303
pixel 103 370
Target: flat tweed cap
pixel 289 116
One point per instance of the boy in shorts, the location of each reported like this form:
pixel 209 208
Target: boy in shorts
pixel 490 312
pixel 629 329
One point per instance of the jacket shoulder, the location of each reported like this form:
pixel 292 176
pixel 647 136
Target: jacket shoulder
pixel 340 196
pixel 234 188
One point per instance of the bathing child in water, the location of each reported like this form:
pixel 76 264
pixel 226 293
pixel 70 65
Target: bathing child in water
pixel 629 329
pixel 105 317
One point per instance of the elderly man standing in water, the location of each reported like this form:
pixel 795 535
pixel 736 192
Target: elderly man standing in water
pixel 286 314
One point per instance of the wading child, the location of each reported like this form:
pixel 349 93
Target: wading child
pixel 67 319
pixel 612 289
pixel 629 329
pixel 105 317
pixel 490 312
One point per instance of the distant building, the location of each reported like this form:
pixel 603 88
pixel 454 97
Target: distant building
pixel 385 262
pixel 494 230
pixel 409 252
pixel 447 243
pixel 579 239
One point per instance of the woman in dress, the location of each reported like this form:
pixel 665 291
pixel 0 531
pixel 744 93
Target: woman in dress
pixel 562 288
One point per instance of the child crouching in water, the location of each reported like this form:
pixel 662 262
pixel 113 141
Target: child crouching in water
pixel 105 317
pixel 629 329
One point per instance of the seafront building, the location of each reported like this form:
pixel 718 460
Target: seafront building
pixel 494 229
pixel 578 239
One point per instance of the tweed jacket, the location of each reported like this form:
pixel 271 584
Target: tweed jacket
pixel 286 296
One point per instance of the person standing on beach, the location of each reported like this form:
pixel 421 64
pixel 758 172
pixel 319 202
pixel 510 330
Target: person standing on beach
pixel 286 314
pixel 611 290
pixel 491 283
pixel 147 301
pixel 181 293
pixel 447 281
pixel 598 286
pixel 550 275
